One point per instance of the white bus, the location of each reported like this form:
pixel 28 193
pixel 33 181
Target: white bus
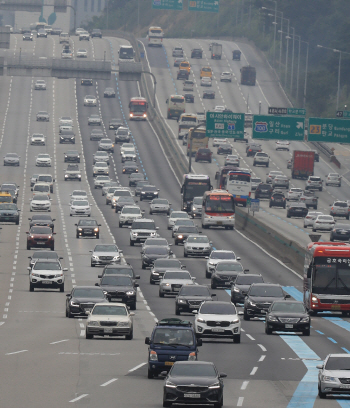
pixel 238 183
pixel 155 37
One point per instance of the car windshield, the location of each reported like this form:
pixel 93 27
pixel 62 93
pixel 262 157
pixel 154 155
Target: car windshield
pixel 218 308
pixel 106 141
pixel 41 230
pixel 325 218
pixel 248 280
pixel 190 229
pixel 119 280
pixel 41 197
pixel 167 335
pixel 167 263
pixel 109 310
pixel 119 271
pixel 229 266
pixel 88 293
pixel 101 154
pixel 51 266
pixel 41 187
pixel 160 201
pixel 122 193
pixel 74 167
pixel 156 241
pixel 101 164
pixel 266 291
pixel 88 223
pixel 340 226
pixel 198 240
pixel 288 307
pixel 129 210
pixel 222 255
pixel 194 290
pixel 41 217
pixel 341 204
pixel 80 203
pixel 177 275
pixel 338 363
pixel 193 370
pixel 183 222
pixel 149 188
pixel 179 215
pixel 105 248
pixel 197 201
pixel 12 207
pixel 45 178
pixel 79 193
pixel 44 255
pixel 143 225
pixel 156 250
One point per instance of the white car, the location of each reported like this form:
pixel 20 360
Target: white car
pixel 120 192
pixel 37 139
pixel 294 194
pixel 101 157
pixel 270 177
pixel 215 257
pixel 206 81
pixel 90 100
pixel 80 207
pixel 106 145
pixel 40 85
pixel 310 218
pixel 127 147
pixel 255 182
pixel 65 120
pixel 172 281
pixel 200 116
pixel 78 31
pixel 128 214
pixel 94 119
pixel 314 183
pixel 111 319
pixel 218 319
pixel 197 245
pixel 100 181
pixel 72 172
pixel 43 160
pixel 226 77
pixel 219 108
pixel 340 209
pixel 100 168
pixel 41 188
pixel 84 35
pixel 46 273
pixel 175 215
pixel 40 202
pixel 217 141
pixel 78 195
pixel 82 53
pixel 129 155
pixel 333 179
pixel 262 159
pixel 282 145
pixel 232 159
pixel 323 223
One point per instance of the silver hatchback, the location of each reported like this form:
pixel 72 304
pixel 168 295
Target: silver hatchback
pixel 334 375
pixel 340 209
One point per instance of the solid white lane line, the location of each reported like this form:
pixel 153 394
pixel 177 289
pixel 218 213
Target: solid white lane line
pixel 137 367
pixel 262 347
pixel 1 323
pixel 250 337
pixel 254 370
pixel 244 385
pixel 60 341
pixel 15 352
pixel 108 382
pixel 82 333
pixel 79 398
pixel 240 401
pixel 262 358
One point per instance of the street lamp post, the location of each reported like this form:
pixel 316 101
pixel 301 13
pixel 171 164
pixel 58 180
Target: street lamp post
pixel 292 73
pixel 306 69
pixel 287 52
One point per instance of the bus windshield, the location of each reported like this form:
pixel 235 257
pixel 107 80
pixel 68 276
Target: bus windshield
pixel 219 204
pixel 138 106
pixel 126 53
pixel 239 177
pixel 331 278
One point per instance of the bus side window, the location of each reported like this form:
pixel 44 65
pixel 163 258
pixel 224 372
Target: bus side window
pixel 182 189
pixel 129 105
pixel 216 176
pixel 309 270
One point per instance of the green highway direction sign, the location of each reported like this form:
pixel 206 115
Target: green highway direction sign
pixel 167 4
pixel 225 125
pixel 286 111
pixel 204 5
pixel 329 130
pixel 278 127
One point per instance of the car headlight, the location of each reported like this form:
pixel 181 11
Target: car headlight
pixel 95 257
pixel 96 229
pixel 200 320
pixel 180 236
pixel 314 298
pixel 251 303
pixel 58 275
pixel 116 258
pixel 153 356
pixel 166 284
pixel 169 384
pixel 123 324
pixel 235 321
pixel 92 323
pixel 36 275
pixel 214 386
pixel 130 292
pixel 134 234
pixel 105 292
pixel 236 290
pixel 305 319
pixel 327 378
pixel 153 234
pixel 182 301
pixel 80 229
pixel 72 303
pixel 155 273
pixel 272 319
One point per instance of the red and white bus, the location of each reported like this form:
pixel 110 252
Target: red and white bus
pixel 218 209
pixel 138 108
pixel 327 277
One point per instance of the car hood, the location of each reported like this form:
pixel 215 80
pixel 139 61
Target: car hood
pixel 104 253
pixel 40 235
pixel 265 299
pixel 178 281
pixel 47 272
pixel 89 300
pixel 40 201
pixel 204 381
pixel 197 245
pixel 156 256
pixel 337 373
pixel 8 211
pixel 243 288
pixel 215 317
pixel 143 230
pixel 199 298
pixel 117 288
pixel 227 273
pixel 285 315
pixel 108 318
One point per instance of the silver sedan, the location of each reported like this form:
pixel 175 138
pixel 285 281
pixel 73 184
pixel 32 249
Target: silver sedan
pixel 159 205
pixel 172 282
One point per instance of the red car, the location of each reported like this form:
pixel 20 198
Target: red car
pixel 41 237
pixel 203 154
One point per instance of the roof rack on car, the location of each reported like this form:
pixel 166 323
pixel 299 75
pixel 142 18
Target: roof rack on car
pixel 172 321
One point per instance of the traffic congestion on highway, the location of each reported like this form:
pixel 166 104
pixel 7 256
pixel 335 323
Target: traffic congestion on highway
pixel 125 285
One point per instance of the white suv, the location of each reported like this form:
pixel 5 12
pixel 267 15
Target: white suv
pixel 46 273
pixel 333 179
pixel 142 229
pixel 262 159
pixel 226 77
pixel 128 214
pixel 314 183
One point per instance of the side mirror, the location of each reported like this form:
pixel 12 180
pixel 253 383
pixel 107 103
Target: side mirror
pixel 99 225
pixel 195 312
pixel 90 250
pixel 99 276
pixel 132 314
pixel 147 340
pixel 76 225
pixel 157 228
pixel 97 284
pixel 88 312
pixel 193 278
pixel 238 258
pixel 29 268
pixel 222 375
pixel 136 285
pixel 287 296
pixel 319 366
pixel 137 277
pixel 65 269
pixel 68 294
pixel 199 342
pixel 246 270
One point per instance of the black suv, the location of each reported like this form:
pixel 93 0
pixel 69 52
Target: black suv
pixel 119 269
pixel 42 220
pixel 297 210
pixel 183 74
pixel 236 55
pixel 260 297
pixel 96 32
pixel 278 199
pixel 72 156
pixel 241 285
pixel 67 136
pixel 119 288
pixel 253 149
pixel 190 298
pixel 196 53
pixel 189 98
pixel 263 190
pixel 88 228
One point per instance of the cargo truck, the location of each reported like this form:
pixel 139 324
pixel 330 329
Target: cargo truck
pixel 216 51
pixel 248 75
pixel 303 164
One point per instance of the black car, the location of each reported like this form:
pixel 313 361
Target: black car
pixel 259 298
pixel 278 199
pixel 224 148
pixel 297 210
pixel 43 254
pixel 9 213
pixel 189 98
pixel 122 135
pixel 119 288
pixel 225 273
pixel 139 186
pixel 82 299
pixel 67 136
pixel 340 232
pixel 263 190
pixel 208 94
pixel 87 228
pixel 148 193
pixel 42 220
pixel 97 134
pixel 241 285
pixel 287 316
pixel 236 55
pixel 162 265
pixel 193 382
pixel 197 53
pixel 152 253
pixel 183 74
pixel 130 167
pixel 183 232
pixel 86 82
pixel 121 201
pixel 96 32
pixel 253 149
pixel 115 124
pixel 119 269
pixel 109 93
pixel 190 298
pixel 72 156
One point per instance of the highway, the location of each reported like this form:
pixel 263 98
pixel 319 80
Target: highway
pixel 45 357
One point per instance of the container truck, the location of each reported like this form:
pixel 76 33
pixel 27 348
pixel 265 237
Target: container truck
pixel 248 75
pixel 303 164
pixel 216 51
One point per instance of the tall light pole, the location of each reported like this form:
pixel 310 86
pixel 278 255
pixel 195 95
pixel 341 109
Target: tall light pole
pixel 306 69
pixel 292 73
pixel 274 31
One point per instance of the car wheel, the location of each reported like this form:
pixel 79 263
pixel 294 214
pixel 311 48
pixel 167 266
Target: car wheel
pixel 129 336
pixel 143 266
pixel 92 265
pixel 306 332
pixel 151 281
pixel 161 294
pixel 31 287
pixel 321 394
pixel 28 246
pixel 78 236
pixel 207 274
pixel 288 216
pixel 177 311
pixel 219 404
pixel 212 285
pixel 267 330
pixel 185 255
pixel 149 374
pixel 245 315
pixel 314 230
pixel 166 404
pixel 97 236
pixel 254 164
pixel 131 243
pixel 88 336
pixel 237 338
pixel 62 288
pixel 321 189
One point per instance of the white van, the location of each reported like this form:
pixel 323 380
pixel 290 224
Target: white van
pixel 188 85
pixel 41 188
pixel 176 105
pixel 186 121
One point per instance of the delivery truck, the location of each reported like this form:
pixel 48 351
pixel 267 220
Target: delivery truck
pixel 303 164
pixel 216 51
pixel 248 75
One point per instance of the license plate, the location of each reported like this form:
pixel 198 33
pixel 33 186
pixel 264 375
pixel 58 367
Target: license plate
pixel 345 386
pixel 263 311
pixel 88 232
pixel 108 330
pixel 88 310
pixel 219 223
pixel 40 243
pixel 116 299
pixel 169 363
pixel 288 326
pixel 45 282
pixel 176 289
pixel 335 307
pixel 227 283
pixel 7 219
pixel 217 330
pixel 192 395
